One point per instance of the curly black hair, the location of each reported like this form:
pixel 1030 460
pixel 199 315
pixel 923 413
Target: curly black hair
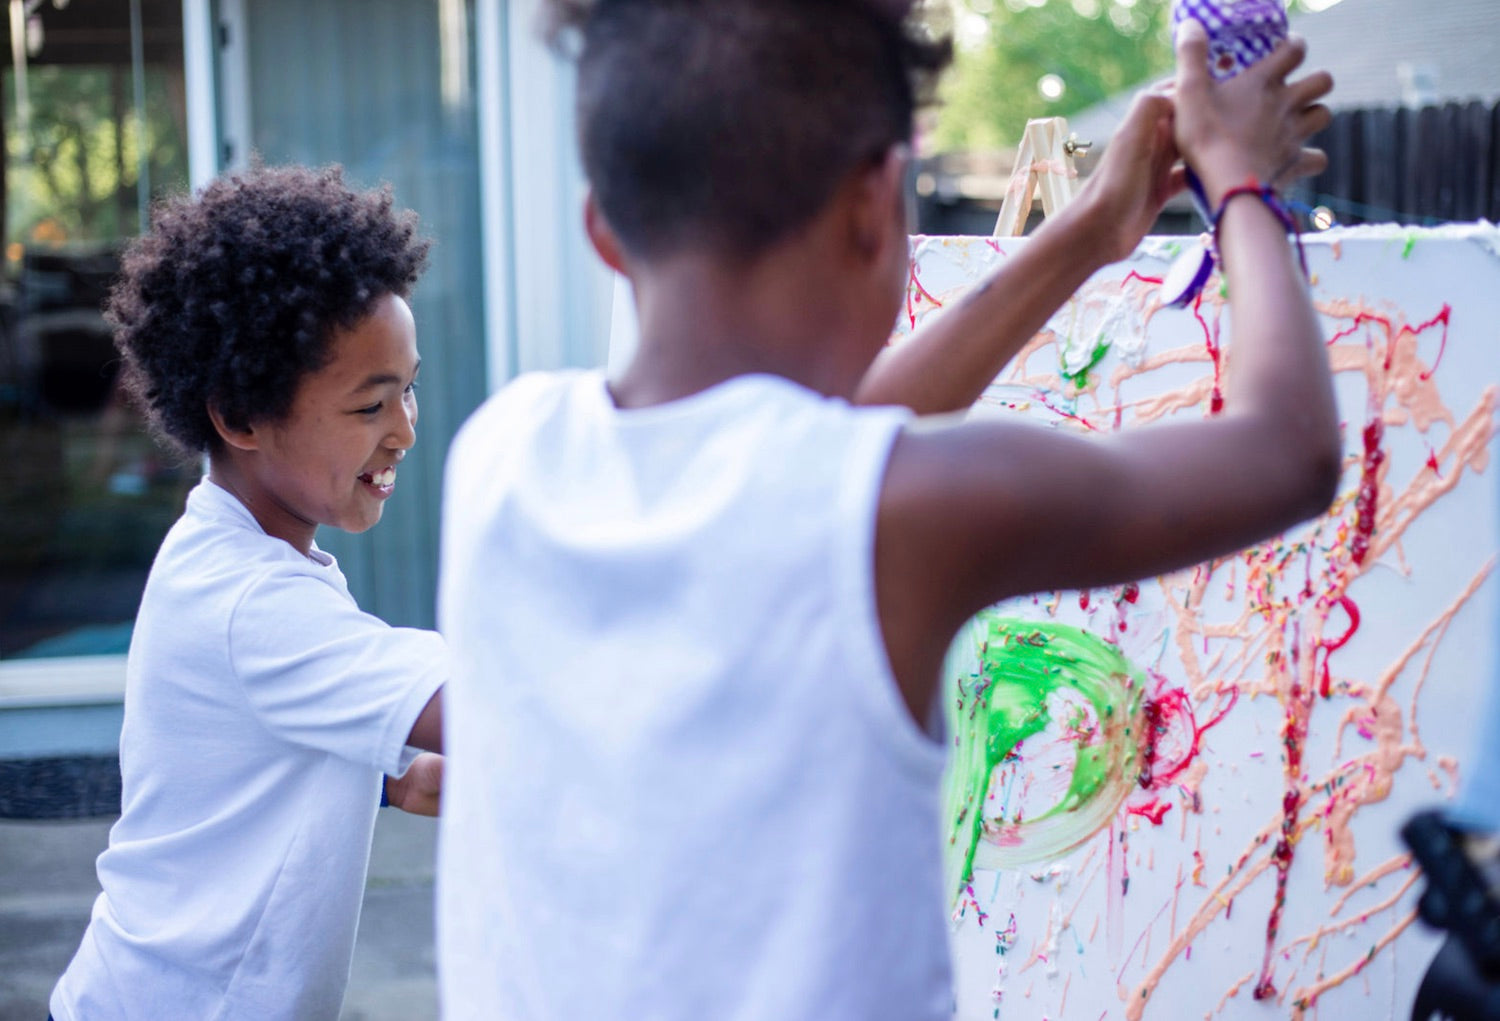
pixel 726 125
pixel 234 295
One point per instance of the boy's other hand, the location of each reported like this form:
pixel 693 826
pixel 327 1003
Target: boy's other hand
pixel 420 789
pixel 1255 124
pixel 1125 194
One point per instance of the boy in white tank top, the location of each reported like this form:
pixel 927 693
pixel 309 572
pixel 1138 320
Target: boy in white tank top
pixel 703 605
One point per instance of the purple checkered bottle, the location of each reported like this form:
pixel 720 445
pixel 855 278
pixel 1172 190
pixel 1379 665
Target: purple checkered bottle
pixel 1240 32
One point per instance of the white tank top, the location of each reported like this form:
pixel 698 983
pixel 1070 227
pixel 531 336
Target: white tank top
pixel 681 781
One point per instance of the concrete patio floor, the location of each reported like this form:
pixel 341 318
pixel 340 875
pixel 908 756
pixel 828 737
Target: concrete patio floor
pixel 47 888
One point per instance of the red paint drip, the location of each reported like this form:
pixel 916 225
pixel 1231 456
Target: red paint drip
pixel 916 289
pixel 1366 503
pixel 1362 319
pixel 1442 317
pixel 1133 275
pixel 1152 811
pixel 1290 803
pixel 1328 647
pixel 1216 400
pixel 1218 717
pixel 1365 318
pixel 1432 462
pixel 1131 592
pixel 1172 708
pixel 1294 735
pixel 1041 399
pixel 1353 611
pixel 1083 599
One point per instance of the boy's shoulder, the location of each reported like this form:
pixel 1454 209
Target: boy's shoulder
pixel 218 524
pixel 217 551
pixel 521 397
pixel 545 418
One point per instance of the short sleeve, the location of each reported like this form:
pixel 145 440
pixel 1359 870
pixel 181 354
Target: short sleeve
pixel 319 672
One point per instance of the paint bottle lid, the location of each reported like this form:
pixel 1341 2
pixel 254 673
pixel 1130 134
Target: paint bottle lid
pixel 1187 275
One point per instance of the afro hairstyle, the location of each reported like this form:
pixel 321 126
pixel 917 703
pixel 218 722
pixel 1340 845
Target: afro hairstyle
pixel 234 295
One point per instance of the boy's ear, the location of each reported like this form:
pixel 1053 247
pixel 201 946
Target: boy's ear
pixel 240 439
pixel 878 213
pixel 602 235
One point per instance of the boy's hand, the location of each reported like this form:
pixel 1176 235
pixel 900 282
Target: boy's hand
pixel 1125 194
pixel 420 789
pixel 1252 125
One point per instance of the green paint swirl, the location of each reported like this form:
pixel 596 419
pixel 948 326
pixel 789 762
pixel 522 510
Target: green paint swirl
pixel 1010 680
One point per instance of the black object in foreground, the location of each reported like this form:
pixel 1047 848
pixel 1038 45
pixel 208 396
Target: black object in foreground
pixel 1462 868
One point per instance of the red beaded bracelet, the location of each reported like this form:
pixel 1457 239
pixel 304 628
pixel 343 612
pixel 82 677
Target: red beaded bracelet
pixel 1272 201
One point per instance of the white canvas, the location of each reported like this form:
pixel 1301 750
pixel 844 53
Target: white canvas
pixel 1166 909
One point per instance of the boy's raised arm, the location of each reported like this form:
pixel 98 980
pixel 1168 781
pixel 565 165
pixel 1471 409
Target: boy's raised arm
pixel 946 365
pixel 975 513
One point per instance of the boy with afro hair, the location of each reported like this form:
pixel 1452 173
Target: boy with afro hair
pixel 264 325
pixel 707 600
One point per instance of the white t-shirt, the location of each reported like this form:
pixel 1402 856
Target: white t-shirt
pixel 261 709
pixel 681 782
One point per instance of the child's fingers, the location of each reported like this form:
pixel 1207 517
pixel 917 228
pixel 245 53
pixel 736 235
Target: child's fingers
pixel 1192 56
pixel 1306 91
pixel 1162 87
pixel 1177 180
pixel 1147 111
pixel 1313 119
pixel 1311 163
pixel 1299 160
pixel 1308 163
pixel 1284 59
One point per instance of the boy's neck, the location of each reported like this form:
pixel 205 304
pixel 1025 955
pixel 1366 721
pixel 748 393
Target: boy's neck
pixel 703 322
pixel 226 471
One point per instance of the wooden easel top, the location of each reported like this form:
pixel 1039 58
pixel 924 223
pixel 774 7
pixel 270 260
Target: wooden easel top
pixel 1044 161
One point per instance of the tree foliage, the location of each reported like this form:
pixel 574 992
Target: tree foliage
pixel 1006 48
pixel 73 178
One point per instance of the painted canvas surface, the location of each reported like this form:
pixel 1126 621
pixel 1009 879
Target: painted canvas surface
pixel 1181 798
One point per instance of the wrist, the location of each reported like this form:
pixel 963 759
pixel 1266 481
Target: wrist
pixel 1221 176
pixel 1250 190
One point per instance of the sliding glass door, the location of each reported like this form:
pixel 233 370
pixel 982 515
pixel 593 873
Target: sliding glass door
pixel 94 125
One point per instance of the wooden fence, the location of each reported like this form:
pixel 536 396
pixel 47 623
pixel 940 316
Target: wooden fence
pixel 1417 166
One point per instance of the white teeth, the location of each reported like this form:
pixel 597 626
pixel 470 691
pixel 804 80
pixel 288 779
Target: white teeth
pixel 385 477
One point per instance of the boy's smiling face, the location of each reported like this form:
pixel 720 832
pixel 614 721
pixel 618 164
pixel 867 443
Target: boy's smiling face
pixel 332 460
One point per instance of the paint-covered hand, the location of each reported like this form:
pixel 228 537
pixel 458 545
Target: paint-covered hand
pixel 420 789
pixel 1254 125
